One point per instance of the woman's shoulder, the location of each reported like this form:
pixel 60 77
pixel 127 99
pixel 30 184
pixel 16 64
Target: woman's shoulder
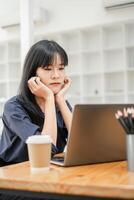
pixel 13 101
pixel 12 105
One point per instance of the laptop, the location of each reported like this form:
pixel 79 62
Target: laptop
pixel 95 137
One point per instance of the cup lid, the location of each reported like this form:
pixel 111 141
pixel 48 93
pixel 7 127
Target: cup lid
pixel 39 139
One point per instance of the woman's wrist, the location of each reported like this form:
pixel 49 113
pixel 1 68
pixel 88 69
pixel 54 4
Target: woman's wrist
pixel 59 98
pixel 49 97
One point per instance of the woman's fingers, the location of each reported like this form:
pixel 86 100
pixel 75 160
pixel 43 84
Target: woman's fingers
pixel 31 89
pixel 38 81
pixel 32 82
pixel 67 79
pixel 67 82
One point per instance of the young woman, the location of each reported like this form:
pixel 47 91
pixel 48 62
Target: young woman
pixel 40 107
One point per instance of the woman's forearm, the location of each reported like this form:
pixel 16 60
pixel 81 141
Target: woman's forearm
pixel 50 123
pixel 66 113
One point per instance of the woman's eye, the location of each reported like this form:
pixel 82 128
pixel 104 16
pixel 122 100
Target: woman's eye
pixel 48 69
pixel 61 68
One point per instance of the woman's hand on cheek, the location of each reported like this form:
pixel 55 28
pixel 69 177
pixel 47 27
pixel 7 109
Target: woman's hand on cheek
pixel 66 86
pixel 39 89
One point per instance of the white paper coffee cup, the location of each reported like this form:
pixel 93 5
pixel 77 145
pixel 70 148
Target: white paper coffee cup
pixel 39 151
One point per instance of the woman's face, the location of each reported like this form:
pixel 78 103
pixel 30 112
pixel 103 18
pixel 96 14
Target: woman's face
pixel 53 76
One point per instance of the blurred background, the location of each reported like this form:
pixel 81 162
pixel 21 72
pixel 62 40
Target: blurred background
pixel 98 36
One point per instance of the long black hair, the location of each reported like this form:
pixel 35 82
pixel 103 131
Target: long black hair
pixel 41 54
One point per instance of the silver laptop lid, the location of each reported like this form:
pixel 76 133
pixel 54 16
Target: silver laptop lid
pixel 96 136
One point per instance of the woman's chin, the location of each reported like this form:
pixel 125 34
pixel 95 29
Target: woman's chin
pixel 55 91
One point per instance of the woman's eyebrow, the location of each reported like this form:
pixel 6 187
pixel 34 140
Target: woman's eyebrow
pixel 61 64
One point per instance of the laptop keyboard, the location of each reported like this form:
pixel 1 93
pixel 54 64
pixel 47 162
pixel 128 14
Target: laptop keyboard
pixel 58 159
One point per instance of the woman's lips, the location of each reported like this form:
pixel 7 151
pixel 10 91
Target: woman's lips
pixel 55 84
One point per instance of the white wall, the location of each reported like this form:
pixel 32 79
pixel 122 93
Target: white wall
pixel 66 14
pixel 9 12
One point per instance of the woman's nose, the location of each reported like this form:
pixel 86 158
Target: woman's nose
pixel 55 73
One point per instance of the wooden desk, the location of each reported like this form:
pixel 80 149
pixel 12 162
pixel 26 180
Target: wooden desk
pixel 101 180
